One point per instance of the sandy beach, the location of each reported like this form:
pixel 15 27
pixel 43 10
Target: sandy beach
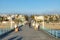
pixel 52 26
pixel 6 25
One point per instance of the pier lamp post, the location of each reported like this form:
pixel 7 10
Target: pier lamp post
pixel 43 22
pixel 11 22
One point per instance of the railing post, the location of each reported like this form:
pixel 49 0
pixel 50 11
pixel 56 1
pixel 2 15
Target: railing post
pixel 43 23
pixel 56 34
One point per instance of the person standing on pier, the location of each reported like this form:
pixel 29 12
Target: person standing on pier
pixel 16 28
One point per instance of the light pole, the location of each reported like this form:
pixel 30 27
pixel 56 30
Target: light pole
pixel 42 18
pixel 11 22
pixel 43 22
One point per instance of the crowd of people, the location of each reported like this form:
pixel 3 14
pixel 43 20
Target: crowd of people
pixel 32 24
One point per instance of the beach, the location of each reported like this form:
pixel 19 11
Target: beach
pixel 52 25
pixel 6 25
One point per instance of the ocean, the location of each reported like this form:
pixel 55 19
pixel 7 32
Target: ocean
pixel 53 32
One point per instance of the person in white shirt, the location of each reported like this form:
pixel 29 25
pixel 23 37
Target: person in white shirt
pixel 16 28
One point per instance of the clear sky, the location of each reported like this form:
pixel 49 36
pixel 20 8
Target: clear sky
pixel 29 6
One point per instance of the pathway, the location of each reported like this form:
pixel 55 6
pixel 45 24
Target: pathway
pixel 29 34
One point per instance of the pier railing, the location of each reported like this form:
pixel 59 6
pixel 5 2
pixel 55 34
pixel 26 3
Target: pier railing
pixel 53 32
pixel 5 27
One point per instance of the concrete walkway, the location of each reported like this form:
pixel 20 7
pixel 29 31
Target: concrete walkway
pixel 29 34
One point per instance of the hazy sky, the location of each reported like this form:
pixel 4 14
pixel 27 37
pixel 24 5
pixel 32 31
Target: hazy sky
pixel 29 6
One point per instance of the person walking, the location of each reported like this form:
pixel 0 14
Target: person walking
pixel 16 28
pixel 29 24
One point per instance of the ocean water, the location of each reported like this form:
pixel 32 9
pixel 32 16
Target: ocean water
pixel 55 33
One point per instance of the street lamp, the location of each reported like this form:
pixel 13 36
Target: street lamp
pixel 11 22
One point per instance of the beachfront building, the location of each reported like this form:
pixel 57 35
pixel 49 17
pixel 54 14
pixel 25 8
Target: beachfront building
pixel 38 22
pixel 51 18
pixel 52 21
pixel 20 19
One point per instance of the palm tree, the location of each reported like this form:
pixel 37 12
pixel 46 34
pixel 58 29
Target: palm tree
pixel 1 19
pixel 51 18
pixel 16 21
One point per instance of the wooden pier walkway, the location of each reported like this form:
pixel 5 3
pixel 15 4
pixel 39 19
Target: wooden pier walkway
pixel 29 34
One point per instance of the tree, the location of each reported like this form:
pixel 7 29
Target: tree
pixel 26 17
pixel 45 18
pixel 16 21
pixel 1 19
pixel 32 16
pixel 51 19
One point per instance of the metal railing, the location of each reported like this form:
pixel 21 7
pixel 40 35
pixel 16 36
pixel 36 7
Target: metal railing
pixel 53 32
pixel 5 27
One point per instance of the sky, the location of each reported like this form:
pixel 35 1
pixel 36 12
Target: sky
pixel 29 6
